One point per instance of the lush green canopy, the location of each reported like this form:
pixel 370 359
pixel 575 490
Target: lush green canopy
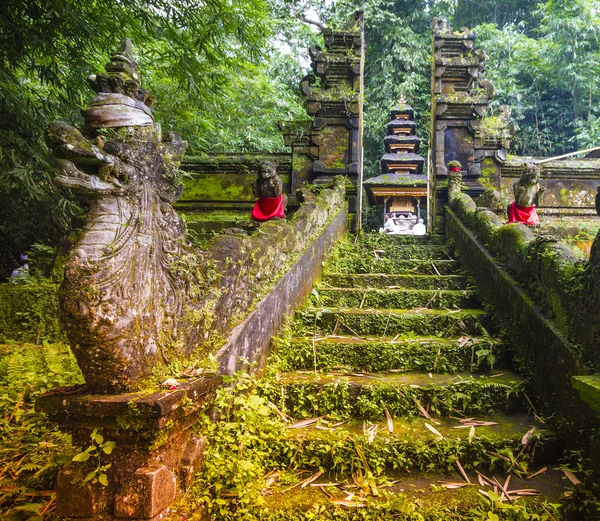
pixel 225 72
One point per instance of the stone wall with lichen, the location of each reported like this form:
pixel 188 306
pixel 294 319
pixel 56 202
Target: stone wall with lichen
pixel 556 278
pixel 547 301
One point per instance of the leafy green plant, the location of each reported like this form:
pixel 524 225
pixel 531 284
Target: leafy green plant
pixel 94 451
pixel 31 447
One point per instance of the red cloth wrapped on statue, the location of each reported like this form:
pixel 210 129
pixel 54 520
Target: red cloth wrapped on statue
pixel 455 169
pixel 523 214
pixel 267 208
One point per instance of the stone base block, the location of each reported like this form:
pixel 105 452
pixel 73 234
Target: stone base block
pixel 76 499
pixel 146 494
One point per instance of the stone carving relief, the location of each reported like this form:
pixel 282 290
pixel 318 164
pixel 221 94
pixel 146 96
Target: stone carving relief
pixel 121 298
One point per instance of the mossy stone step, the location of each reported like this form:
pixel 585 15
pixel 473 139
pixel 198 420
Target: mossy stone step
pixel 400 497
pixel 364 322
pixel 367 264
pixel 412 447
pixel 408 353
pixel 398 298
pixel 306 394
pixel 382 239
pixel 396 251
pixel 387 281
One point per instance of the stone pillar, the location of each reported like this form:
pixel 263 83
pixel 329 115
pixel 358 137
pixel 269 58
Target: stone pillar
pixel 461 127
pixel 332 144
pixel 155 452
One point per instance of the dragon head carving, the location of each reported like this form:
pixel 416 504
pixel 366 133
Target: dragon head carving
pixel 121 299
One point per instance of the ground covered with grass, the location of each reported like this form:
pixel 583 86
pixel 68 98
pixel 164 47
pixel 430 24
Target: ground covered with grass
pixel 31 447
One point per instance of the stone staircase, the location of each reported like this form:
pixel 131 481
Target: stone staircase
pixel 400 399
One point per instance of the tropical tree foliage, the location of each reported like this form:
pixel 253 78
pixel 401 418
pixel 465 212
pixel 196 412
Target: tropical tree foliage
pixel 226 72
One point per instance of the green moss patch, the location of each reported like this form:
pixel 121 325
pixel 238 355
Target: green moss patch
pixel 588 388
pixel 433 322
pixel 407 353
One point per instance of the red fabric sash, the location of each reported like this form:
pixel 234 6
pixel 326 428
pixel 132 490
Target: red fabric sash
pixel 523 214
pixel 267 208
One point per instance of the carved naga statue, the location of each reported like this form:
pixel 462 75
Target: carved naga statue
pixel 527 191
pixel 121 299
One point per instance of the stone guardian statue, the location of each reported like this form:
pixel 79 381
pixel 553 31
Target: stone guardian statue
pixel 121 298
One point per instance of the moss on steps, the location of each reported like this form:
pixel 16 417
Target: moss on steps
pixel 341 395
pixel 395 251
pixel 394 298
pixel 433 322
pixel 409 353
pixel 370 264
pixel 412 447
pixel 381 240
pixel 386 281
pixel 403 498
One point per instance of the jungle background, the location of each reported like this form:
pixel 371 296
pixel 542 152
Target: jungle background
pixel 226 72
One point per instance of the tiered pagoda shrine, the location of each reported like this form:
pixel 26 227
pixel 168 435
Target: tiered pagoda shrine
pixel 402 187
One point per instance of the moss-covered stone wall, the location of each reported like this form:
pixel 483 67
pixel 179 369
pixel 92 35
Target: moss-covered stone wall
pixel 240 272
pixel 29 313
pixel 546 300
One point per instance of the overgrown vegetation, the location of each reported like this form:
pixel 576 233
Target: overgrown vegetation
pixel 255 463
pixel 31 447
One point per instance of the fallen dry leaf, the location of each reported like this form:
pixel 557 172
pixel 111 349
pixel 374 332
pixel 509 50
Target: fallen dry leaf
pixel 527 436
pixel 305 423
pixel 434 430
pixel 572 478
pixel 541 471
pixel 424 412
pixel 462 471
pixel 390 422
pixel 314 477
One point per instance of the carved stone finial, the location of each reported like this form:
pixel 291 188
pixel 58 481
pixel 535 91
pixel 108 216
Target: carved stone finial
pixel 454 179
pixel 120 100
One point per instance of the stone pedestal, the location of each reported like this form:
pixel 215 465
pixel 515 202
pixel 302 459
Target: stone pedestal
pixel 155 456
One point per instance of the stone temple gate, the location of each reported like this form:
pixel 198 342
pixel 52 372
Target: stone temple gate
pixel 139 300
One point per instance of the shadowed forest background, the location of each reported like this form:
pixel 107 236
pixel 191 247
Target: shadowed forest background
pixel 226 73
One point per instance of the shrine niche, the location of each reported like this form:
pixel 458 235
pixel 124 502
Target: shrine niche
pixel 402 188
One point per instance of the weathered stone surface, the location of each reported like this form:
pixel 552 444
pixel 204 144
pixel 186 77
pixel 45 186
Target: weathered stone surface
pixel 192 460
pixel 76 499
pixel 463 128
pixel 146 494
pixel 331 145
